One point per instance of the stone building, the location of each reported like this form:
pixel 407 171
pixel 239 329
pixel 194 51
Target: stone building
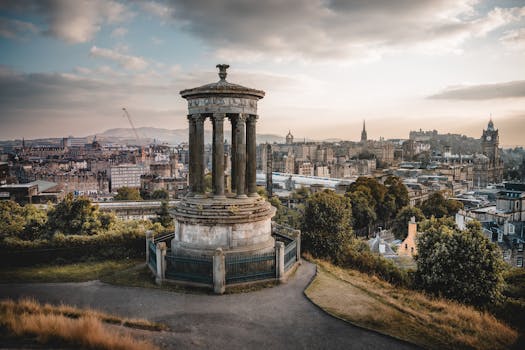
pixel 409 247
pixel 488 167
pixel 125 175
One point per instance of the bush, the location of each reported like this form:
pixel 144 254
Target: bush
pixel 125 241
pixel 358 256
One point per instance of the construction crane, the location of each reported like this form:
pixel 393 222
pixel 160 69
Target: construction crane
pixel 142 153
pixel 126 114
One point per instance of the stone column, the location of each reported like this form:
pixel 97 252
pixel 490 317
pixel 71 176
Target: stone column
pixel 240 157
pixel 251 155
pixel 219 272
pixel 218 155
pixel 191 162
pixel 298 247
pixel 233 150
pixel 149 237
pixel 161 262
pixel 199 155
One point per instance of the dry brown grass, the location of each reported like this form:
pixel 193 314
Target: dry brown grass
pixel 405 314
pixel 65 324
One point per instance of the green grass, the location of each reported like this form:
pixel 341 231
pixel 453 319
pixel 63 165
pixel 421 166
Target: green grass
pixel 78 272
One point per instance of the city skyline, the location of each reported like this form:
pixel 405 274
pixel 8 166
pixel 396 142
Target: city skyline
pixel 68 69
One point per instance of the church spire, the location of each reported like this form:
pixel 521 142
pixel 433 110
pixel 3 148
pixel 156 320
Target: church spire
pixel 363 133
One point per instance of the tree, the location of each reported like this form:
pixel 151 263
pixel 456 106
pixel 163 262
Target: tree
pixel 436 205
pixel 35 223
pixel 128 194
pixel 460 265
pixel 400 224
pixel 363 213
pixel 379 198
pixel 12 220
pixel 327 224
pixel 163 216
pixel 75 216
pixel 160 194
pixel 398 191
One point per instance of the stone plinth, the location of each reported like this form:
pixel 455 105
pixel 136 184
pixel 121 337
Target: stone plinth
pixel 236 225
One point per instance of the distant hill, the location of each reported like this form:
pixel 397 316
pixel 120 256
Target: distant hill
pixel 172 136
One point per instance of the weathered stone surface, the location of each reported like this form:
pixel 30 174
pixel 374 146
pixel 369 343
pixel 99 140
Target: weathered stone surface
pixel 233 222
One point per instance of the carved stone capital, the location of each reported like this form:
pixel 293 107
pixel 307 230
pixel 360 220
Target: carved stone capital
pixel 241 117
pixel 252 118
pixel 197 117
pixel 218 117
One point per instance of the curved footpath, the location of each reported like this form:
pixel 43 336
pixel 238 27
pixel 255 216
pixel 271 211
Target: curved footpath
pixel 277 318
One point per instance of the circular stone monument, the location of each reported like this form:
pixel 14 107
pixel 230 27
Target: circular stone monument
pixel 236 220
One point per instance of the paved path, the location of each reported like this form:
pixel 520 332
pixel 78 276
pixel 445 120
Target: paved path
pixel 273 318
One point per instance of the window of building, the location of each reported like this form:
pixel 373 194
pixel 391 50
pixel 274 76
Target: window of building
pixel 519 261
pixel 406 246
pixel 520 247
pixel 511 229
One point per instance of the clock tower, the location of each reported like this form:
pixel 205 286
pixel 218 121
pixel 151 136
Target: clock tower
pixel 488 168
pixel 490 144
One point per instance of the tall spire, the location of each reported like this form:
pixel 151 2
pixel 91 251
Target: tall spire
pixel 363 133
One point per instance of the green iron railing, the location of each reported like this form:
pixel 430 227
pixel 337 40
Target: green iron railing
pixel 197 269
pixel 249 268
pixel 152 261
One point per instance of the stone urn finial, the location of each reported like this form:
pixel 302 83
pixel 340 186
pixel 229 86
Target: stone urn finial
pixel 222 71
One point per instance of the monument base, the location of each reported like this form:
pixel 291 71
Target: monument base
pixel 236 225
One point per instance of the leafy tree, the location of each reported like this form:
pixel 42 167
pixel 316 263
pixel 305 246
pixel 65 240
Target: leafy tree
pixel 35 223
pixel 385 200
pixel 128 194
pixel 398 191
pixel 400 224
pixel 75 216
pixel 363 213
pixel 12 220
pixel 160 194
pixel 327 224
pixel 261 191
pixel 25 222
pixel 163 215
pixel 460 265
pixel 436 205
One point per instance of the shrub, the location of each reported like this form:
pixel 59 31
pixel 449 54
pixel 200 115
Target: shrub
pixel 358 256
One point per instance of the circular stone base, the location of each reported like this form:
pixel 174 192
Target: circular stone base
pixel 237 225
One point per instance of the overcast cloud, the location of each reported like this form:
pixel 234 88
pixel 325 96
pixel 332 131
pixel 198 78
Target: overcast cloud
pixel 335 30
pixel 511 89
pixel 325 64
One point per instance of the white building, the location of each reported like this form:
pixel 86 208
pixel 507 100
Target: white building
pixel 125 175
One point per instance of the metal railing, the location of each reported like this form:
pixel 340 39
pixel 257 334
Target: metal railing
pixel 164 238
pixel 290 255
pixel 198 269
pixel 249 268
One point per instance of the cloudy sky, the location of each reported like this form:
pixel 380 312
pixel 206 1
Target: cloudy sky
pixel 68 67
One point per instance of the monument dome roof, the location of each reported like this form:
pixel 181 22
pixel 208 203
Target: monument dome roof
pixel 222 88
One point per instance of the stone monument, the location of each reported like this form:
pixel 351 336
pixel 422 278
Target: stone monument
pixel 235 218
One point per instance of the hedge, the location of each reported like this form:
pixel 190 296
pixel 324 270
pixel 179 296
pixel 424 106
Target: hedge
pixel 73 248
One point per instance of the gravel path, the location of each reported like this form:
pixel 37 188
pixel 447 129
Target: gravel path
pixel 277 318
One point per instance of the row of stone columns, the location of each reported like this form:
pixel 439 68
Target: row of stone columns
pixel 243 154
